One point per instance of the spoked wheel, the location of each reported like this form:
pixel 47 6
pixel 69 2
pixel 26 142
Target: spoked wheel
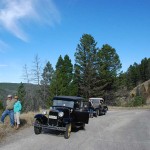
pixel 68 131
pixel 37 130
pixel 97 111
pixel 83 126
pixel 104 113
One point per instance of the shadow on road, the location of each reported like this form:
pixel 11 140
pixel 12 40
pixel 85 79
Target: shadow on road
pixel 58 133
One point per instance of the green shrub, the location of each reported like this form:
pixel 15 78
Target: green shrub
pixel 129 104
pixel 1 105
pixel 136 101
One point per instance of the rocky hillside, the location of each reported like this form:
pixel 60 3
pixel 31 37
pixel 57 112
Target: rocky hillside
pixel 142 90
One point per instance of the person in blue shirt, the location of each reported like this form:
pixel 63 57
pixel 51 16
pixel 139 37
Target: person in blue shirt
pixel 17 110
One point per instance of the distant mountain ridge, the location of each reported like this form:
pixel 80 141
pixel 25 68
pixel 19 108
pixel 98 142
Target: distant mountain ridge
pixel 8 88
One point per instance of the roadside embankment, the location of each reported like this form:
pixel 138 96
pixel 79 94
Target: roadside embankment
pixel 26 120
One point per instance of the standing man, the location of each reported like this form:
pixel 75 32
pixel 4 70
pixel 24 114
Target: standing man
pixel 9 110
pixel 91 109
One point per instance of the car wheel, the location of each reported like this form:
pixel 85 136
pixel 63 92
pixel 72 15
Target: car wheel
pixel 98 113
pixel 68 131
pixel 106 108
pixel 83 126
pixel 37 130
pixel 104 113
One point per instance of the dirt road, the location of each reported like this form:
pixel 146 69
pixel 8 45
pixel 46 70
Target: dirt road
pixel 117 130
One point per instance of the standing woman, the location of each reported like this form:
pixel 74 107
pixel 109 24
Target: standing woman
pixel 17 109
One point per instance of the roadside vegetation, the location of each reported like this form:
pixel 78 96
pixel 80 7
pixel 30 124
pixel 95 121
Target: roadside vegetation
pixel 26 120
pixel 136 101
pixel 133 102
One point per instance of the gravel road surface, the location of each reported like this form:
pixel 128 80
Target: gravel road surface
pixel 117 130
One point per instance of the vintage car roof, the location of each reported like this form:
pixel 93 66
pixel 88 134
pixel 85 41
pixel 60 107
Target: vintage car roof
pixel 69 98
pixel 96 98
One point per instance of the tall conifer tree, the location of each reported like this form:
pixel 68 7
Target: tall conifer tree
pixel 86 60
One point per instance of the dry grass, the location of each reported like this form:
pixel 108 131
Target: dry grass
pixel 26 120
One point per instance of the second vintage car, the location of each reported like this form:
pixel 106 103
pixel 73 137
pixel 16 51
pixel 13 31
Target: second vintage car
pixel 67 112
pixel 97 107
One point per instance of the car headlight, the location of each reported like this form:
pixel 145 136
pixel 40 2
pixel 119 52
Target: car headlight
pixel 61 114
pixel 44 112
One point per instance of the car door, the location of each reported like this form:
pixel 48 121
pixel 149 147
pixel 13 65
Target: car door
pixel 80 114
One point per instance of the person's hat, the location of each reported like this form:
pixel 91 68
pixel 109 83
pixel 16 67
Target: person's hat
pixel 9 96
pixel 16 97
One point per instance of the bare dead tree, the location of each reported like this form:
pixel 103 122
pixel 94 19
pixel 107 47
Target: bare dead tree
pixel 26 74
pixel 36 71
pixel 36 79
pixel 32 78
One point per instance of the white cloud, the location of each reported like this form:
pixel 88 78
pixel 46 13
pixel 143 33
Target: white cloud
pixel 15 13
pixel 3 65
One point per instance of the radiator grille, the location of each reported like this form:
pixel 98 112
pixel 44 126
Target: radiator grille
pixel 53 122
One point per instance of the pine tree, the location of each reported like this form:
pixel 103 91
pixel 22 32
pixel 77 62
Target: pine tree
pixel 74 90
pixel 22 95
pixel 109 65
pixel 59 76
pixel 67 74
pixel 133 76
pixel 108 68
pixel 85 61
pixel 47 76
pixel 144 68
pixel 61 82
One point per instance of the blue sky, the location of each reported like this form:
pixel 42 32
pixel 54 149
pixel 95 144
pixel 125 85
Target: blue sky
pixel 50 28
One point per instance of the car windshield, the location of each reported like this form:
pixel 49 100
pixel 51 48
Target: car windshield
pixel 96 101
pixel 63 103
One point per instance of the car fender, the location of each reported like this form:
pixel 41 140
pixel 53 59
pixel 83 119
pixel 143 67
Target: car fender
pixel 66 120
pixel 41 118
pixel 105 108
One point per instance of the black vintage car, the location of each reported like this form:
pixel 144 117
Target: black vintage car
pixel 66 113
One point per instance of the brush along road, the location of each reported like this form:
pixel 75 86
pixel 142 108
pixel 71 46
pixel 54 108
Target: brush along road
pixel 118 130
